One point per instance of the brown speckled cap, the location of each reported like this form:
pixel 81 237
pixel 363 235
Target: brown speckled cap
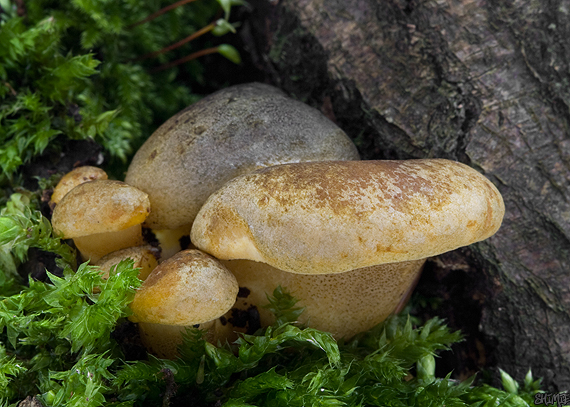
pixel 144 257
pixel 331 217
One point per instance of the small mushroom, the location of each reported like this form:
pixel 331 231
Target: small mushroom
pixel 231 132
pixel 101 217
pixel 189 289
pixel 144 257
pixel 346 238
pixel 74 178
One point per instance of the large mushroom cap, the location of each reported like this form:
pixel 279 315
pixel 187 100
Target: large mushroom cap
pixel 189 288
pixel 338 216
pixel 228 133
pixel 98 207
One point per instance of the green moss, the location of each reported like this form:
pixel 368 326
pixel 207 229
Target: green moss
pixel 73 69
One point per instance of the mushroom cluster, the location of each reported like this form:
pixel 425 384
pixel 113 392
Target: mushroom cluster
pixel 270 193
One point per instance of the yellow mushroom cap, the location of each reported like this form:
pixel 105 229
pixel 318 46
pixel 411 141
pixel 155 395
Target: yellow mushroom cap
pixel 331 217
pixel 100 206
pixel 189 288
pixel 74 178
pixel 144 257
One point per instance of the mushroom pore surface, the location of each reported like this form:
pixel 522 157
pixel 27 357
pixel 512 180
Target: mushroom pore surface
pixel 340 303
pixel 331 217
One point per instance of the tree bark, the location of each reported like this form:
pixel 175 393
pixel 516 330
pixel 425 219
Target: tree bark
pixel 485 83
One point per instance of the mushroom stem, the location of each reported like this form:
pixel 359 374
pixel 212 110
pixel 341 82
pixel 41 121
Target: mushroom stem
pixel 163 340
pixel 93 247
pixel 341 303
pixel 169 240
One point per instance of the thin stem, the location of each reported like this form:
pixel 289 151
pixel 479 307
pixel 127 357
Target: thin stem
pixel 191 37
pixel 186 59
pixel 161 12
pixel 14 93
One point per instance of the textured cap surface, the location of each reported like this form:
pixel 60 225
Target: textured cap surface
pixel 74 178
pixel 338 216
pixel 98 207
pixel 231 132
pixel 144 257
pixel 188 288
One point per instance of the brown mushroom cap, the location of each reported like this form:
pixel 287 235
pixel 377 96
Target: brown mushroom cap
pixel 231 132
pixel 74 178
pixel 348 239
pixel 331 217
pixel 98 207
pixel 189 288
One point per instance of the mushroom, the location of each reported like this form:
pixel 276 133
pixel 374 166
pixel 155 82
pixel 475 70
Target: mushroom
pixel 190 289
pixel 101 217
pixel 74 178
pixel 231 132
pixel 144 257
pixel 346 238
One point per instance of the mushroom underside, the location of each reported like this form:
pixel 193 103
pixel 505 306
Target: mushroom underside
pixel 95 246
pixel 343 304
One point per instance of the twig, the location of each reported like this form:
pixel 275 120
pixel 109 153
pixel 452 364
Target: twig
pixel 12 90
pixel 191 37
pixel 186 59
pixel 161 12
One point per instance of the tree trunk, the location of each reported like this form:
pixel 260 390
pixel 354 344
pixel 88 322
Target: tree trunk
pixel 485 83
